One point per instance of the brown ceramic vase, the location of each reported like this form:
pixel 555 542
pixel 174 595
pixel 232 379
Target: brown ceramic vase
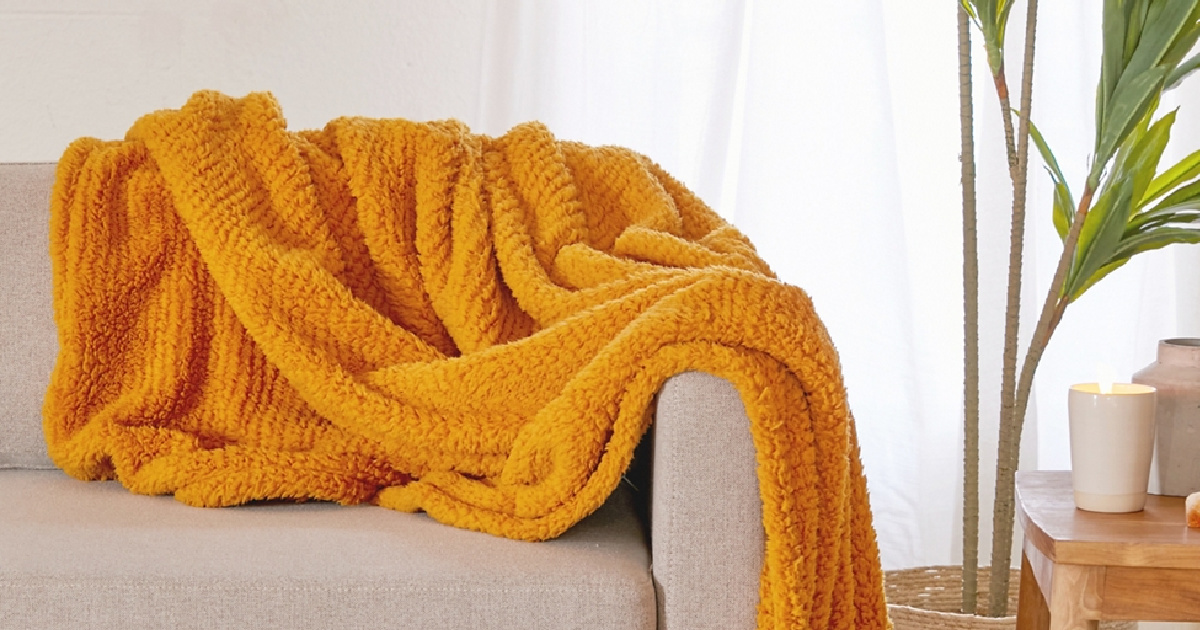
pixel 1176 375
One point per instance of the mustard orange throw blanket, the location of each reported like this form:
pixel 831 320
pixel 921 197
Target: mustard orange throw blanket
pixel 428 319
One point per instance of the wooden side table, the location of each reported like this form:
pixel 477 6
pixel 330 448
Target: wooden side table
pixel 1080 567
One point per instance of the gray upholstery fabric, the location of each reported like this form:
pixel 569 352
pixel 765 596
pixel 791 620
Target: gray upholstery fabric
pixel 706 529
pixel 91 555
pixel 28 342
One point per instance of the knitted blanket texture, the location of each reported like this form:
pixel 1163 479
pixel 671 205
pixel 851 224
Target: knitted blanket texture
pixel 423 318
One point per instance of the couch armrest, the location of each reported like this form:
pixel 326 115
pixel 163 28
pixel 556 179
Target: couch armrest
pixel 706 527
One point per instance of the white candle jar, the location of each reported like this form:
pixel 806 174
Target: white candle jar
pixel 1112 442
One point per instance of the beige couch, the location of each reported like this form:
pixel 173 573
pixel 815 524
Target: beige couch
pixel 91 555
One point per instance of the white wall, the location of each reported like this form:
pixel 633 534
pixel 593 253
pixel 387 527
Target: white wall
pixel 71 68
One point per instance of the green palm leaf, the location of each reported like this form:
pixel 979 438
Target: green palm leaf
pixel 1155 240
pixel 1100 236
pixel 1135 20
pixel 1144 43
pixel 1180 73
pixel 1185 169
pixel 1064 202
pixel 1131 100
pixel 1181 197
pixel 1142 161
pixel 1182 45
pixel 1142 221
pixel 1164 23
pixel 991 17
pixel 1113 59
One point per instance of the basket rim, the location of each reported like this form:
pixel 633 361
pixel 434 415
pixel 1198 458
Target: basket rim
pixel 937 590
pixel 953 615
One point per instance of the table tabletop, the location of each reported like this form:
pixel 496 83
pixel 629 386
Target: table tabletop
pixel 1155 537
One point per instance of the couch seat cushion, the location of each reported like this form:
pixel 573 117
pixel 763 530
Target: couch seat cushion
pixel 75 554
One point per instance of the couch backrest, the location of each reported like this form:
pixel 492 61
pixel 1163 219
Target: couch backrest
pixel 28 339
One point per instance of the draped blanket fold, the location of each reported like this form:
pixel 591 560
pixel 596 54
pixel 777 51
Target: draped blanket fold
pixel 424 318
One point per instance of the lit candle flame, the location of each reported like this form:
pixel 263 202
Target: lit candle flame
pixel 1106 378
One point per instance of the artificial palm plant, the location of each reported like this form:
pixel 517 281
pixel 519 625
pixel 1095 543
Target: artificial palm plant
pixel 1127 205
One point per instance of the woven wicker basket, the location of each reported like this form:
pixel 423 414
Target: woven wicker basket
pixel 925 598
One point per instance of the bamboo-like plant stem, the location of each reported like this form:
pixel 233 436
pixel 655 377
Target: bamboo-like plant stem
pixel 1010 148
pixel 1008 372
pixel 1052 312
pixel 1008 447
pixel 970 533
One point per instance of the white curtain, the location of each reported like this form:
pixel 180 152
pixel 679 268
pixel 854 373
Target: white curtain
pixel 827 131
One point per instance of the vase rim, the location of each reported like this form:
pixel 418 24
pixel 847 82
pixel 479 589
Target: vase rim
pixel 1181 352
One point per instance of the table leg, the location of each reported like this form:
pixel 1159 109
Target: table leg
pixel 1032 612
pixel 1076 597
